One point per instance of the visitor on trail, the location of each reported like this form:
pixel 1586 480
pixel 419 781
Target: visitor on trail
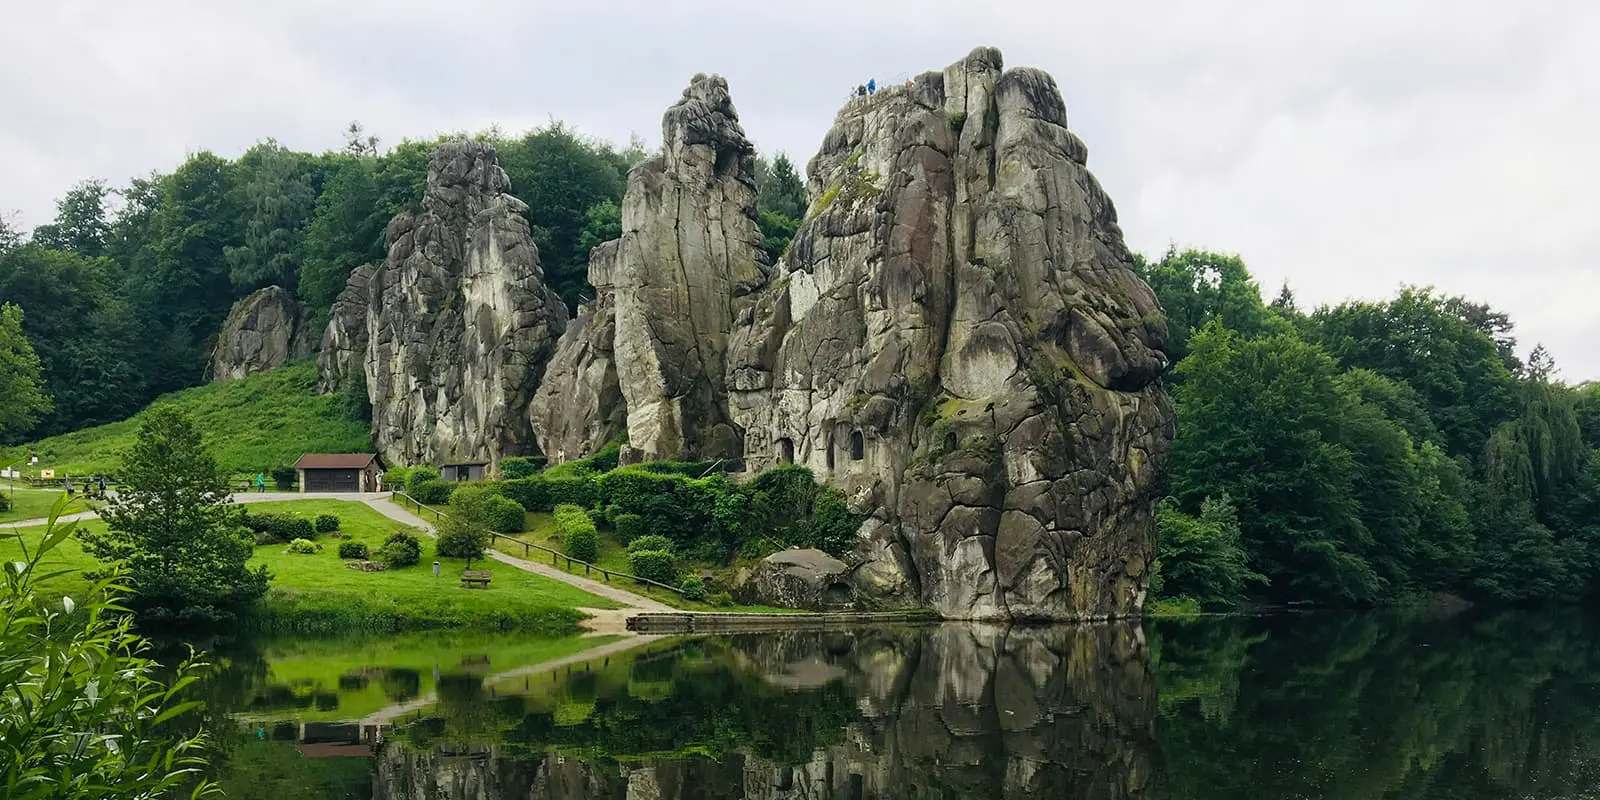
pixel 69 487
pixel 872 86
pixel 102 486
pixel 261 482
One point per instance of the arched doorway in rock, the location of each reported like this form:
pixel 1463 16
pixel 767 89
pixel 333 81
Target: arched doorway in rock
pixel 858 446
pixel 785 450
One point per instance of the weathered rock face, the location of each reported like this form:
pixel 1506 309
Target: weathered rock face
pixel 341 360
pixel 808 579
pixel 263 331
pixel 956 336
pixel 459 320
pixel 579 405
pixel 690 254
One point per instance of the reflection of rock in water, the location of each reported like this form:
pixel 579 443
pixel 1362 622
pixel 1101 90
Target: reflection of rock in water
pixel 948 712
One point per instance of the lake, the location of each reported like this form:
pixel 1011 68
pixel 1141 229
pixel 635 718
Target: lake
pixel 1382 705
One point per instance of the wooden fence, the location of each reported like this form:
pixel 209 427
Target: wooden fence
pixel 556 557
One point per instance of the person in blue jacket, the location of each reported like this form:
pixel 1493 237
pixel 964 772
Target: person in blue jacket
pixel 872 86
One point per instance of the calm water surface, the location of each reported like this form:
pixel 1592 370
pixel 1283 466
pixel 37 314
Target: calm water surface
pixel 1301 706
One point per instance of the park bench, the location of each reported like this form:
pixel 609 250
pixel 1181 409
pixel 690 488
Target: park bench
pixel 476 578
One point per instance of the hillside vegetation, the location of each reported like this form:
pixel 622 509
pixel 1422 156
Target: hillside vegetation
pixel 251 425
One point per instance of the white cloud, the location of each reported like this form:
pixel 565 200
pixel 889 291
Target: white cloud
pixel 1347 148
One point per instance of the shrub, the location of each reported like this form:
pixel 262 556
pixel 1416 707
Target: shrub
pixel 655 565
pixel 693 588
pixel 353 550
pixel 832 528
pixel 326 523
pixel 433 492
pixel 577 532
pixel 630 527
pixel 579 491
pixel 418 476
pixel 530 493
pixel 303 547
pixel 642 543
pixel 395 478
pixel 5 505
pixel 461 542
pixel 401 549
pixel 521 466
pixel 279 527
pixel 505 515
pixel 720 599
pixel 284 477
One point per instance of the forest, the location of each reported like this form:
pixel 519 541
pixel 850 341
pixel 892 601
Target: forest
pixel 1358 454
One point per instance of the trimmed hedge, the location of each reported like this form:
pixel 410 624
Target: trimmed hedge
pixel 521 466
pixel 693 588
pixel 396 478
pixel 655 565
pixel 642 543
pixel 577 532
pixel 355 550
pixel 629 527
pixel 326 523
pixel 543 492
pixel 418 476
pixel 433 492
pixel 505 515
pixel 279 527
pixel 401 549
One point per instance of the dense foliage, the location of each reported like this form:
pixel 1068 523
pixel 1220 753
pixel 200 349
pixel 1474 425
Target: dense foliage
pixel 578 534
pixel 401 549
pixel 1367 451
pixel 173 531
pixel 464 531
pixel 86 712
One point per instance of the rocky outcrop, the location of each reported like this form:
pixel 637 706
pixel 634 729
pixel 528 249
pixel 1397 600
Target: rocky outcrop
pixel 263 331
pixel 809 579
pixel 459 320
pixel 690 255
pixel 579 406
pixel 956 337
pixel 342 358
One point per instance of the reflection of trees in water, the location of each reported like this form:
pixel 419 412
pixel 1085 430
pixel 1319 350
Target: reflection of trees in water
pixel 956 711
pixel 1373 706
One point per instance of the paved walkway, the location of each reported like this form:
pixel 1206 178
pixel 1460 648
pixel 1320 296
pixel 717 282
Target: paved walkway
pixel 238 497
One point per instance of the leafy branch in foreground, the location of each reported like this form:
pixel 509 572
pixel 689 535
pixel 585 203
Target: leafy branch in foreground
pixel 84 713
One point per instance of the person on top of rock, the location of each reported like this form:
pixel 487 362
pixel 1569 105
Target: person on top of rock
pixel 872 86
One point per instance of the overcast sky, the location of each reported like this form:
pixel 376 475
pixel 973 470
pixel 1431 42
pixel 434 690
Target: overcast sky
pixel 1346 147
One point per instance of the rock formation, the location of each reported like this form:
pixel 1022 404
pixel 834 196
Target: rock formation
pixel 809 579
pixel 342 357
pixel 459 321
pixel 690 253
pixel 956 336
pixel 262 332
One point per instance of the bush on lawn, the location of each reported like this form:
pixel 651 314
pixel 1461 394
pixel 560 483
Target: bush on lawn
pixel 353 550
pixel 655 565
pixel 303 547
pixel 693 588
pixel 326 523
pixel 643 543
pixel 279 527
pixel 505 515
pixel 433 492
pixel 577 532
pixel 630 527
pixel 401 549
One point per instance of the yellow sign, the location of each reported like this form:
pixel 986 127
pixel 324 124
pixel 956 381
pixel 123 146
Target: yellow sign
pixel 47 474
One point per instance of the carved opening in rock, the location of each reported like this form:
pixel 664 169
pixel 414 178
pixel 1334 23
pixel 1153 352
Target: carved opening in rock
pixel 950 443
pixel 858 446
pixel 786 451
pixel 727 162
pixel 786 779
pixel 829 450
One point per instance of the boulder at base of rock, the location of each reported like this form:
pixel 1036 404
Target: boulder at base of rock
pixel 264 331
pixel 809 579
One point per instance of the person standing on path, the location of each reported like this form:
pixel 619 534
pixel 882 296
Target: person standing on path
pixel 261 482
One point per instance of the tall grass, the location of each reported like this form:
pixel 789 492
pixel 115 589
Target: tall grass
pixel 251 425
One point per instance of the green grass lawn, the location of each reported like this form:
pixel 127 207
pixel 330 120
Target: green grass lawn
pixel 29 503
pixel 348 679
pixel 319 594
pixel 613 555
pixel 267 419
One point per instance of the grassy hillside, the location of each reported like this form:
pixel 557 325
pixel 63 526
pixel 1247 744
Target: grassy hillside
pixel 254 424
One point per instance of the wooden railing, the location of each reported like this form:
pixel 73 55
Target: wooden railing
pixel 556 556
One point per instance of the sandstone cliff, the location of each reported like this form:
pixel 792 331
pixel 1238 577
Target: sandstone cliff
pixel 956 335
pixel 458 321
pixel 263 331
